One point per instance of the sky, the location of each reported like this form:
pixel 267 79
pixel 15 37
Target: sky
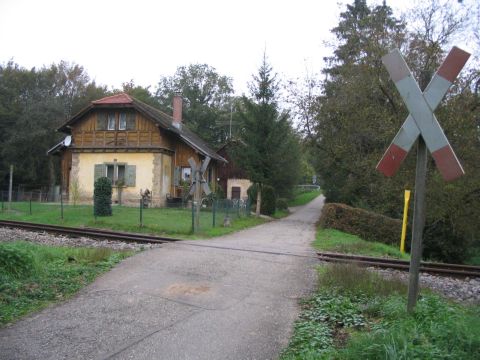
pixel 118 41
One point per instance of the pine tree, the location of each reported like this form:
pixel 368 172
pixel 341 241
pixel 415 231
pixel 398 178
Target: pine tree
pixel 269 150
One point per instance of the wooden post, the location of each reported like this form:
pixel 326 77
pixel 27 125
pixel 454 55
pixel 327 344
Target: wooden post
pixel 418 223
pixel 10 188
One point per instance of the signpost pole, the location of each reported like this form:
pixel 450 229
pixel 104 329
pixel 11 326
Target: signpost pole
pixel 198 198
pixel 10 187
pixel 418 223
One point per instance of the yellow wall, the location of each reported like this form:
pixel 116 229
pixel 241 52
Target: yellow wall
pixel 144 171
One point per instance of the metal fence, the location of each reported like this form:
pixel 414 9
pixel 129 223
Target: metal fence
pixel 155 215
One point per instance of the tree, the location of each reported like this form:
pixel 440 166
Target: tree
pixel 360 111
pixel 207 99
pixel 33 104
pixel 269 150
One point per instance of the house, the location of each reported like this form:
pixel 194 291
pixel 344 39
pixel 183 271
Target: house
pixel 232 179
pixel 135 145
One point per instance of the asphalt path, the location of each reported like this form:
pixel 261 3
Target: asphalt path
pixel 233 297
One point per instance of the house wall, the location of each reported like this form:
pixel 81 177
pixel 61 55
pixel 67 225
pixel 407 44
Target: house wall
pixel 243 184
pixel 84 165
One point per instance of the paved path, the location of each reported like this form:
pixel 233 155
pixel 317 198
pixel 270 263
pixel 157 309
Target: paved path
pixel 184 301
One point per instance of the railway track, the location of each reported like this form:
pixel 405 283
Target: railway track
pixel 428 267
pixel 89 232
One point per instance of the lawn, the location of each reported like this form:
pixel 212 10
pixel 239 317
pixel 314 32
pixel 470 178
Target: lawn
pixel 159 221
pixel 338 241
pixel 357 314
pixel 33 276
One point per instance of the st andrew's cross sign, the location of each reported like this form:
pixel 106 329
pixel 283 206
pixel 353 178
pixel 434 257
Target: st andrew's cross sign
pixel 198 184
pixel 421 124
pixel 422 120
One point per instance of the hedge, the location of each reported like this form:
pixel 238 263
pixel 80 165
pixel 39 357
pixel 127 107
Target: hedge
pixel 102 197
pixel 366 224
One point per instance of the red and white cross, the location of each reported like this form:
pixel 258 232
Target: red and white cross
pixel 422 120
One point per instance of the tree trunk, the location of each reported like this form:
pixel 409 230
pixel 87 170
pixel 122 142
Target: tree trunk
pixel 259 201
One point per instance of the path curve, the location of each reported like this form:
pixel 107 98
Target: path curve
pixel 184 302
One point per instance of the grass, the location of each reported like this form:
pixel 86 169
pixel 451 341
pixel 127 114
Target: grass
pixel 33 276
pixel 160 221
pixel 338 241
pixel 303 197
pixel 356 314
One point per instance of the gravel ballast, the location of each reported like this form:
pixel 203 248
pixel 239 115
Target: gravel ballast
pixel 7 234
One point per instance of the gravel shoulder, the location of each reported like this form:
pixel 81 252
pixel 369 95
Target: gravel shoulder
pixel 235 298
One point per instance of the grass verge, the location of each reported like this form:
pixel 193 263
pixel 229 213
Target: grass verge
pixel 303 197
pixel 356 314
pixel 157 221
pixel 33 276
pixel 338 241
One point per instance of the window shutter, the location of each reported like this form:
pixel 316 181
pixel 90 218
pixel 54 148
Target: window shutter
pixel 99 171
pixel 131 121
pixel 176 176
pixel 130 175
pixel 101 121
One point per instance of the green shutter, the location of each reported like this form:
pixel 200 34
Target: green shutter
pixel 99 171
pixel 176 176
pixel 130 175
pixel 101 121
pixel 131 121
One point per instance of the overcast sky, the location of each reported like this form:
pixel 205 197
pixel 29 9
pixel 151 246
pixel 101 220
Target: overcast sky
pixel 117 40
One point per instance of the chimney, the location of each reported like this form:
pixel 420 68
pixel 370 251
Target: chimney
pixel 177 111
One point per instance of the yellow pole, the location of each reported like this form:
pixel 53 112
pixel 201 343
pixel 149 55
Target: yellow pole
pixel 405 218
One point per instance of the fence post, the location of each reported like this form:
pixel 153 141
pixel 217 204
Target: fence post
pixel 141 212
pixel 61 204
pixel 193 216
pixel 214 208
pixel 10 187
pixel 30 205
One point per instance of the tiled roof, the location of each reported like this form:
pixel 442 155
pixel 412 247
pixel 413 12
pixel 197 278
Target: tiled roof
pixel 115 99
pixel 163 120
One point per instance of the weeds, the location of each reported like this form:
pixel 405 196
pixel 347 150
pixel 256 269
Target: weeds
pixel 357 314
pixel 37 275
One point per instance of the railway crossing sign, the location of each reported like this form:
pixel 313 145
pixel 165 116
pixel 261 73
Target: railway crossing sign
pixel 198 184
pixel 422 120
pixel 198 179
pixel 422 124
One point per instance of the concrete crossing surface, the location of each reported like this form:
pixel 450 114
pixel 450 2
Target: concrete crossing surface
pixel 234 297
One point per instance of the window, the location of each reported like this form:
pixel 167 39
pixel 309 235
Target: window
pixel 122 121
pixel 111 173
pixel 186 173
pixel 111 121
pixel 116 173
pixel 121 174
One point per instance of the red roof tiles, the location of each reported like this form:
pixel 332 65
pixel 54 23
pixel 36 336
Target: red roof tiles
pixel 115 99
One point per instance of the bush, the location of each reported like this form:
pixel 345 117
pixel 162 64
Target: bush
pixel 366 224
pixel 282 204
pixel 15 260
pixel 268 198
pixel 440 242
pixel 102 197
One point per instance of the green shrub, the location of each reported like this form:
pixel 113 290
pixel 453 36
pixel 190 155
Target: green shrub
pixel 366 224
pixel 441 242
pixel 268 198
pixel 282 204
pixel 102 197
pixel 15 261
